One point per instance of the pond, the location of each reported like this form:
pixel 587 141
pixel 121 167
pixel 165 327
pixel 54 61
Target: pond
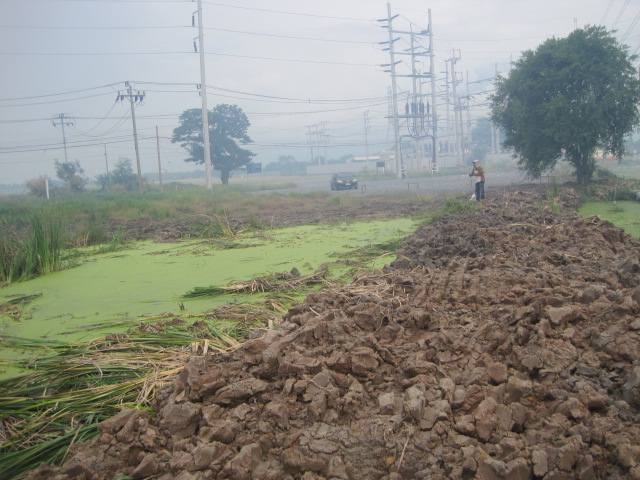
pixel 109 293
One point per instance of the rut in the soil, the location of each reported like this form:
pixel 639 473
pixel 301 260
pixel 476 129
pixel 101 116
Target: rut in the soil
pixel 498 345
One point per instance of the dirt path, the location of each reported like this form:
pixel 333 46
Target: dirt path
pixel 499 345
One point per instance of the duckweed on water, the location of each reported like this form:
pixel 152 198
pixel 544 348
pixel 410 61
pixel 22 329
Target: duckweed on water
pixel 71 387
pixel 110 292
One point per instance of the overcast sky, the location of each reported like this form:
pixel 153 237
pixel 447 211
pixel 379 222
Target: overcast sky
pixel 293 66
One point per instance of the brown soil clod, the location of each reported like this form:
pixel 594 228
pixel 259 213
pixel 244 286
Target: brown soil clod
pixel 499 345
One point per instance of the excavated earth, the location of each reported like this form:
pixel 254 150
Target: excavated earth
pixel 499 345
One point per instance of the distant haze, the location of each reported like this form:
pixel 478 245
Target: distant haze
pixel 305 73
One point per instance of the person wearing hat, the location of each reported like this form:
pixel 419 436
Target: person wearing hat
pixel 478 171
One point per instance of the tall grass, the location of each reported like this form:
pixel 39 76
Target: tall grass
pixel 37 254
pixel 454 206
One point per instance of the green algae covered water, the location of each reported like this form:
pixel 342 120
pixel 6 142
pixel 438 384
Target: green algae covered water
pixel 108 293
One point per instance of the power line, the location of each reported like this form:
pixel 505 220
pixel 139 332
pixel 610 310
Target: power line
pixel 624 7
pixel 606 12
pixel 175 27
pixel 253 57
pixel 282 12
pixel 57 94
pixel 290 37
pixel 55 101
pixel 51 27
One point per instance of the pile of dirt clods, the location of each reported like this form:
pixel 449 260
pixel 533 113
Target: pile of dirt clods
pixel 499 345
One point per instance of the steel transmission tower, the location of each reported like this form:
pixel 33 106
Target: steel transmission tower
pixel 420 117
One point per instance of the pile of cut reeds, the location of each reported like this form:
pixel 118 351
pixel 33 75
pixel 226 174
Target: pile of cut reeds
pixel 283 282
pixel 75 386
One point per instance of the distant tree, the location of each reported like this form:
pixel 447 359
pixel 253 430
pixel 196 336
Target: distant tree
pixel 478 152
pixel 104 180
pixel 287 165
pixel 122 177
pixel 37 186
pixel 566 99
pixel 228 127
pixel 481 133
pixel 70 174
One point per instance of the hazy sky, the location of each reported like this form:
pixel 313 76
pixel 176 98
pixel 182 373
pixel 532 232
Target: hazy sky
pixel 293 66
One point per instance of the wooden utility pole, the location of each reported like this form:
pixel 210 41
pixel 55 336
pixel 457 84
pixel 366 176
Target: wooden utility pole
pixel 159 163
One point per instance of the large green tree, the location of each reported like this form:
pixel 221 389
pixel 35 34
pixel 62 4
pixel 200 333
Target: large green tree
pixel 566 99
pixel 228 127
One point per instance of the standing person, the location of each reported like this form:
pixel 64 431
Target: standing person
pixel 478 171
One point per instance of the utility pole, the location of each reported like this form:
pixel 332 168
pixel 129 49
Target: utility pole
pixel 434 116
pixel 106 163
pixel 311 143
pixel 203 93
pixel 366 131
pixel 62 121
pixel 392 70
pixel 318 136
pixel 325 142
pixel 448 97
pixel 419 119
pixel 468 109
pixel 138 97
pixel 457 110
pixel 159 163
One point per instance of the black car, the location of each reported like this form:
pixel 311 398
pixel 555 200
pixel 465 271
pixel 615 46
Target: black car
pixel 340 181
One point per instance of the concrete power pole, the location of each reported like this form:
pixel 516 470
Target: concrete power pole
pixel 159 162
pixel 62 121
pixel 203 93
pixel 311 144
pixel 457 110
pixel 106 164
pixel 394 90
pixel 366 131
pixel 448 103
pixel 434 118
pixel 134 98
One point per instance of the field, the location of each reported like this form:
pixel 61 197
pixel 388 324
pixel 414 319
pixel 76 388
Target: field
pixel 472 337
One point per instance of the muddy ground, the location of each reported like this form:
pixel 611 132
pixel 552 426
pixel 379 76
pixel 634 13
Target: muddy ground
pixel 285 213
pixel 499 345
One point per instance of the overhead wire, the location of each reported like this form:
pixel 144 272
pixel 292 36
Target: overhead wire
pixel 283 12
pixel 606 12
pixel 624 7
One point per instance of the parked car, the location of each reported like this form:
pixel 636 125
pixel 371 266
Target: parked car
pixel 340 181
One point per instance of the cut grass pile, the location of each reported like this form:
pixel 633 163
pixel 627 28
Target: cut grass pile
pixel 76 386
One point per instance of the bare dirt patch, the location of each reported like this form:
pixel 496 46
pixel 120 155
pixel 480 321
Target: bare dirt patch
pixel 502 344
pixel 274 212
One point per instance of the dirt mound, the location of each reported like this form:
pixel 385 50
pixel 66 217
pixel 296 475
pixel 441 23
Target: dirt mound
pixel 498 345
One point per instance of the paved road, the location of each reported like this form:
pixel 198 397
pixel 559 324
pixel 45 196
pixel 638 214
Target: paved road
pixel 437 185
